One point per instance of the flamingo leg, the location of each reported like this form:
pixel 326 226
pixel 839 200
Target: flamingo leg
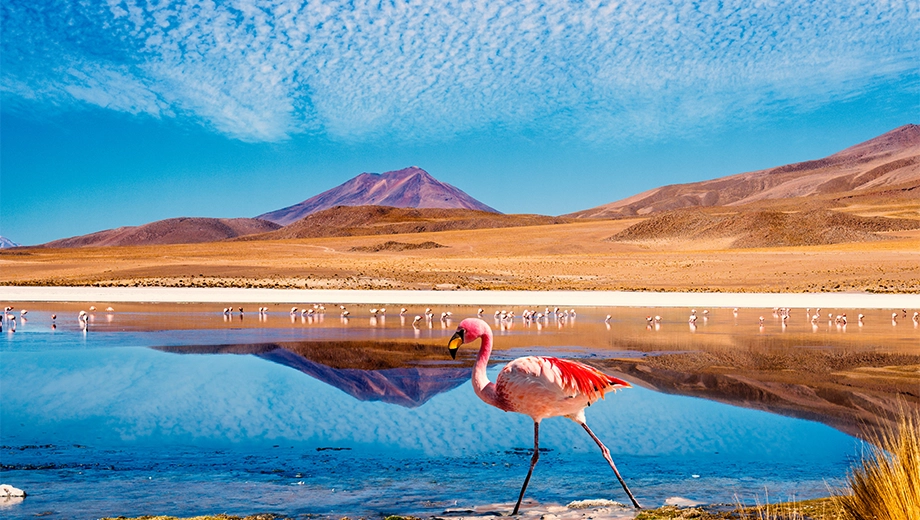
pixel 533 462
pixel 606 453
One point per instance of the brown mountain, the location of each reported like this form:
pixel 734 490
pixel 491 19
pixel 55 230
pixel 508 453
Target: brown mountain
pixel 763 228
pixel 183 230
pixel 344 221
pixel 411 187
pixel 882 169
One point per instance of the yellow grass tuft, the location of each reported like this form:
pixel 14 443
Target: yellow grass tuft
pixel 886 485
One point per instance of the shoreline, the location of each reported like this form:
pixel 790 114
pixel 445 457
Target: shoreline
pixel 834 300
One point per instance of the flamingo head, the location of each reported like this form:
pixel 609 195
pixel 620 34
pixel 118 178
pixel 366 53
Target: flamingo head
pixel 468 331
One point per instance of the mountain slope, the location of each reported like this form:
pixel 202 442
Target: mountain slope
pixel 344 221
pixel 411 187
pixel 888 164
pixel 746 229
pixel 7 243
pixel 182 230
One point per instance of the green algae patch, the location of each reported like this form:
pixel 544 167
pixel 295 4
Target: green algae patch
pixel 816 509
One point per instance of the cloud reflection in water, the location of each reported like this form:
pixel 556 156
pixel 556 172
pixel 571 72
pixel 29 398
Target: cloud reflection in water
pixel 137 395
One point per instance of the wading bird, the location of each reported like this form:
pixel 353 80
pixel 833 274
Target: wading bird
pixel 540 387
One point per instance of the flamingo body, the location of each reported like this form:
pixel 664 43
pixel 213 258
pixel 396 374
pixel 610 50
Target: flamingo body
pixel 544 387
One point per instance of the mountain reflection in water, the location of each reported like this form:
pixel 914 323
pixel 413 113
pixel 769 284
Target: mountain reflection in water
pixel 367 371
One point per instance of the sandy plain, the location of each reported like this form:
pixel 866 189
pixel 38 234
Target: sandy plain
pixel 562 257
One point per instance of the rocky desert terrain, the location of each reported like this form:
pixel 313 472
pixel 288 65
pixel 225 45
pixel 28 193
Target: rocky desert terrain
pixel 559 256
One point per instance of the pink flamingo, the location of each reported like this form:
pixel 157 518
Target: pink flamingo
pixel 540 387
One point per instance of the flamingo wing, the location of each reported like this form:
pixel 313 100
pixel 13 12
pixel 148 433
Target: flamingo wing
pixel 548 387
pixel 584 379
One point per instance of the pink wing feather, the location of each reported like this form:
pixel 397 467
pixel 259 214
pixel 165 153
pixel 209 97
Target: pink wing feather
pixel 585 379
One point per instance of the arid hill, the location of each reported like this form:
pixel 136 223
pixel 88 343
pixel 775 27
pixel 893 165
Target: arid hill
pixel 763 228
pixel 346 221
pixel 183 230
pixel 410 187
pixel 882 169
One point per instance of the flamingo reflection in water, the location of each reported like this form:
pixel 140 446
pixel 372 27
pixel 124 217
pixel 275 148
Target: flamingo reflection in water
pixel 540 387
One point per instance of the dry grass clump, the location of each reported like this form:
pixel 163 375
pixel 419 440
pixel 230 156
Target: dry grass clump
pixel 886 485
pixel 818 509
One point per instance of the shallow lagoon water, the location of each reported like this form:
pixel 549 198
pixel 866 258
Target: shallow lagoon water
pixel 101 424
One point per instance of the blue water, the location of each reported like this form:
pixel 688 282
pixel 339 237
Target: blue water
pixel 100 424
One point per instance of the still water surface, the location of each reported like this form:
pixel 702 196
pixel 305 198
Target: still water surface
pixel 134 417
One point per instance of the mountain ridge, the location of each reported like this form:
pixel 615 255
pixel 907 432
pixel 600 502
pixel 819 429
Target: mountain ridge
pixel 180 230
pixel 341 221
pixel 890 161
pixel 410 187
pixel 6 243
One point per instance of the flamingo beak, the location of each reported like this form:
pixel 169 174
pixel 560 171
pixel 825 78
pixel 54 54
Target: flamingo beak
pixel 455 341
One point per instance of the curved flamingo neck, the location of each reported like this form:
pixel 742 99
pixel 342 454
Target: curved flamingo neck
pixel 484 388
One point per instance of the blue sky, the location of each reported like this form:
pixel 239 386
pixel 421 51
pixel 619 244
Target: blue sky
pixel 120 113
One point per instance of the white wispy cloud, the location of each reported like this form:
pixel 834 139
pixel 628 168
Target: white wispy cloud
pixel 265 70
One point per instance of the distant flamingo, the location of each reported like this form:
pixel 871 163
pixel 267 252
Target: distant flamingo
pixel 540 387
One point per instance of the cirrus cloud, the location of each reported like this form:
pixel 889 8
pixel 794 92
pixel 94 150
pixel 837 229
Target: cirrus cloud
pixel 598 71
